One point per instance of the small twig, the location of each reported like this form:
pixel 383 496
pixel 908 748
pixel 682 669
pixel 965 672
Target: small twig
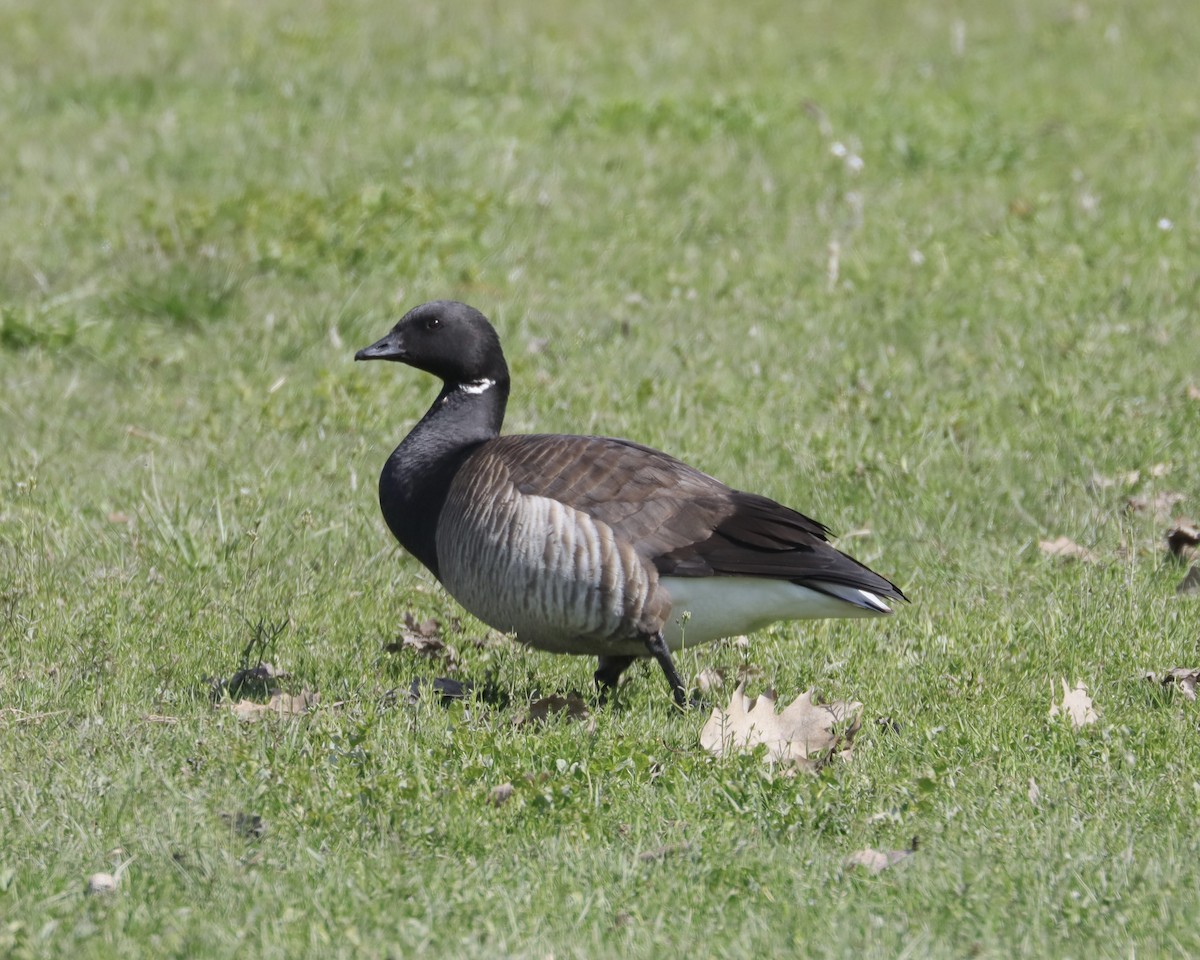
pixel 20 716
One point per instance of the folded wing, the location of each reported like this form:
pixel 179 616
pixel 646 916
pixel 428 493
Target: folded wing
pixel 684 522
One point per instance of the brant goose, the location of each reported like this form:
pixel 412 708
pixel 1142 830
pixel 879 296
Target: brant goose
pixel 590 545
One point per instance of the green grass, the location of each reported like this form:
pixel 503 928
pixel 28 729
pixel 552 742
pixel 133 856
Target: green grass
pixel 208 207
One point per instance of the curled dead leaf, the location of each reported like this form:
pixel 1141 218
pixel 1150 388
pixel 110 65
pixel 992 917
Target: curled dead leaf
pixel 1126 479
pixel 1160 504
pixel 1064 548
pixel 422 646
pixel 1076 704
pixel 876 861
pixel 709 680
pixel 805 733
pixel 101 884
pixel 422 637
pixel 1184 678
pixel 749 671
pixel 427 628
pixel 104 884
pixel 499 795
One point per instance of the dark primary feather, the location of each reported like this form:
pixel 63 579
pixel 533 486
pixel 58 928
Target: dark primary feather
pixel 684 522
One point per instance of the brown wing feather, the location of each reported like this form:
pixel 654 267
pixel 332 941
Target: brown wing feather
pixel 685 522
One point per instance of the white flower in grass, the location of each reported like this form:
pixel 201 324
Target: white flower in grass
pixel 854 163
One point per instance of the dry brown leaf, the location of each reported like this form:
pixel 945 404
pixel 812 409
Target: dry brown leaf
pixel 498 796
pixel 709 680
pixel 1160 504
pixel 805 733
pixel 572 706
pixel 1190 583
pixel 1076 704
pixel 423 646
pixel 1183 539
pixel 422 638
pixel 429 627
pixel 749 671
pixel 102 884
pixel 1101 482
pixel 281 704
pixel 876 861
pixel 1064 548
pixel 1185 678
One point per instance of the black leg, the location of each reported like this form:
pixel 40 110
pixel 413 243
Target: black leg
pixel 609 672
pixel 658 650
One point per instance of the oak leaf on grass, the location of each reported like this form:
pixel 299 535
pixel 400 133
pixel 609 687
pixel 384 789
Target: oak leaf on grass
pixel 1126 478
pixel 1184 678
pixel 281 705
pixel 423 637
pixel 1159 505
pixel 1075 704
pixel 500 794
pixel 876 861
pixel 709 680
pixel 805 733
pixel 1064 548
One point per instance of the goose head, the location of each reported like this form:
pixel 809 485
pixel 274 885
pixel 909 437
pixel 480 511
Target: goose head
pixel 450 340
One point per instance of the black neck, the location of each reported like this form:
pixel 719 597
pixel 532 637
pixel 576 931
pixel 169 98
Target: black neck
pixel 417 476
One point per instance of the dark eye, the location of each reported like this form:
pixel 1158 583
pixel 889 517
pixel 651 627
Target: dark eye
pixel 432 323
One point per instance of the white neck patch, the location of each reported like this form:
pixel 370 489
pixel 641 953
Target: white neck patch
pixel 477 386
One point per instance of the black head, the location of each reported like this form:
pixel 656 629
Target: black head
pixel 448 339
